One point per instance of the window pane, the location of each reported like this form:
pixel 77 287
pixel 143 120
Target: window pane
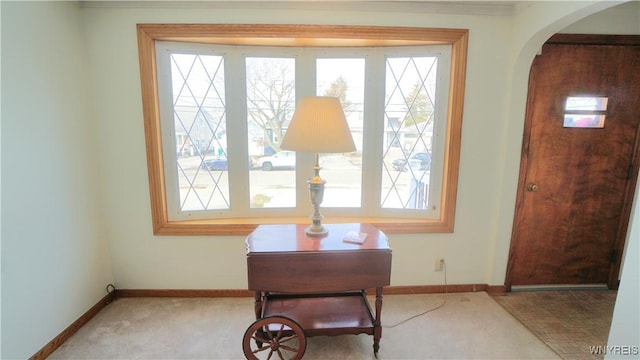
pixel 583 121
pixel 200 132
pixel 270 105
pixel 344 79
pixel 410 93
pixel 593 103
pixel 585 111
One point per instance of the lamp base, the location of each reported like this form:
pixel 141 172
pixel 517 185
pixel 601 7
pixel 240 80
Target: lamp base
pixel 313 230
pixel 316 193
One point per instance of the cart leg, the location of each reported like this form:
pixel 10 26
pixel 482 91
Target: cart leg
pixel 257 296
pixel 377 326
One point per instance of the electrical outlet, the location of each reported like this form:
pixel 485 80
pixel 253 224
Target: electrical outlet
pixel 439 264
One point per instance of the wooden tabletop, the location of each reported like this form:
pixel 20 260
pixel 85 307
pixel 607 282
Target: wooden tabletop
pixel 292 238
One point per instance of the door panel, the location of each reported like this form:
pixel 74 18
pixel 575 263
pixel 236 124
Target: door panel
pixel 574 182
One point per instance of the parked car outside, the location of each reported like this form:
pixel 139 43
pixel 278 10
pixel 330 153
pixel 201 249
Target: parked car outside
pixel 279 160
pixel 215 164
pixel 423 157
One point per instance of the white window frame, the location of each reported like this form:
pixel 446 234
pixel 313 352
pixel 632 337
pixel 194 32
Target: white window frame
pixel 447 137
pixel 375 63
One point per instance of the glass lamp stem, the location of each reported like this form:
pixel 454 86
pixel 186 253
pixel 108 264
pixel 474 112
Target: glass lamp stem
pixel 316 192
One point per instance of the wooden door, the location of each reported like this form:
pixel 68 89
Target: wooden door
pixel 576 183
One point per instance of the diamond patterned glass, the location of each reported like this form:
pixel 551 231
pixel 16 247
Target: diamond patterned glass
pixel 200 131
pixel 410 89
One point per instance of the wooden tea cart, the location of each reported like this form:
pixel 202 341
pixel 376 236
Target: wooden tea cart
pixel 307 286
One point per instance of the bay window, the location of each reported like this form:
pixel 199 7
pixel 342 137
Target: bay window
pixel 217 101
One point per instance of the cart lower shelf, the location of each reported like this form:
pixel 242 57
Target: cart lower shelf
pixel 326 314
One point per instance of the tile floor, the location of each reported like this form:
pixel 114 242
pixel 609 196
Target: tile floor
pixel 570 322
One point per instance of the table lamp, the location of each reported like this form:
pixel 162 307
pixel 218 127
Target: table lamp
pixel 318 126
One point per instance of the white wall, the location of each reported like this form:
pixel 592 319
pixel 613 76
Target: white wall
pixel 501 49
pixel 89 142
pixel 141 260
pixel 625 325
pixel 55 256
pixel 617 20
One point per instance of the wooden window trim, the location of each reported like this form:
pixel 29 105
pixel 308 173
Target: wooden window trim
pixel 298 36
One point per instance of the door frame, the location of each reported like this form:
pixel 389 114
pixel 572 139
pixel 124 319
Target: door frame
pixel 619 242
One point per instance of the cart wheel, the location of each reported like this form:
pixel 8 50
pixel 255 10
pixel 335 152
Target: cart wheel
pixel 274 335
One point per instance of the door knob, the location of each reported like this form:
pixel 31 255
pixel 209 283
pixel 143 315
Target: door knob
pixel 532 187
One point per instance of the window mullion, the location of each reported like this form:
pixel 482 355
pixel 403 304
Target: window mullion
pixel 169 137
pixel 305 86
pixel 373 137
pixel 439 135
pixel 235 80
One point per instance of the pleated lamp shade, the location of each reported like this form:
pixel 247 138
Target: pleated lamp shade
pixel 318 126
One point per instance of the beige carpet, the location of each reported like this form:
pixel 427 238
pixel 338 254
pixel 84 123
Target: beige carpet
pixel 468 326
pixel 569 322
